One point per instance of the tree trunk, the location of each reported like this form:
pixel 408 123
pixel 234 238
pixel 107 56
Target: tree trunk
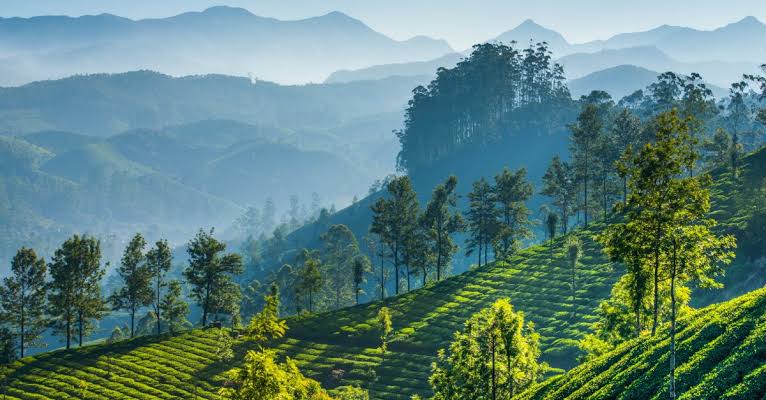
pixel 132 321
pixel 672 388
pixel 22 326
pixel 585 211
pixel 68 330
pixel 656 283
pixel 382 278
pixel 396 272
pixel 494 381
pixel 605 197
pixel 157 308
pixel 438 258
pixel 80 328
pixel 480 248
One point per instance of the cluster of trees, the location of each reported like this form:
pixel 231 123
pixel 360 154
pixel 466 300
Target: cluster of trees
pixel 485 98
pixel 665 239
pixel 65 294
pixel 415 241
pixel 329 277
pixel 494 357
pixel 592 181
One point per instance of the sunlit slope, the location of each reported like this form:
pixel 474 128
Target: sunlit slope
pixel 341 347
pixel 721 355
pixel 344 341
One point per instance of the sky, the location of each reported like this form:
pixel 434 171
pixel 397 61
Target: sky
pixel 460 22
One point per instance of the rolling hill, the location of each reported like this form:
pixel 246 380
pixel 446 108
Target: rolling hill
pixel 222 40
pixel 103 105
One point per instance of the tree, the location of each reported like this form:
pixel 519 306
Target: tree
pixel 718 148
pixel 340 250
pixel 137 279
pixel 210 273
pixel 385 327
pixel 174 308
pixel 266 325
pixel 482 223
pixel 262 377
pixel 375 249
pixel 395 220
pixel 22 299
pixel 697 252
pixel 559 184
pixel 657 191
pixel 310 278
pixel 361 267
pixel 495 356
pixel 511 192
pixel 75 289
pixel 627 134
pixel 574 251
pixel 158 261
pixel 585 132
pixel 551 226
pixel 7 348
pixel 441 220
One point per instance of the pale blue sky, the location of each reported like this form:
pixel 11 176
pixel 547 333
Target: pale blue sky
pixel 461 22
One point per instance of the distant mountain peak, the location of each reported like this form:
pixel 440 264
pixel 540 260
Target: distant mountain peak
pixel 749 21
pixel 227 11
pixel 340 17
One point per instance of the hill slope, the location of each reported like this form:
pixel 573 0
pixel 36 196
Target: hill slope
pixel 340 347
pixel 424 320
pixel 721 355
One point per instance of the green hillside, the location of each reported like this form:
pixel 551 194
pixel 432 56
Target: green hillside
pixel 721 355
pixel 423 320
pixel 340 347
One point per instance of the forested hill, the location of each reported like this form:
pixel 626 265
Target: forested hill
pixel 107 104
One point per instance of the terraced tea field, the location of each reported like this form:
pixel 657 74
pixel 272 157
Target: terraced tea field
pixel 721 354
pixel 340 348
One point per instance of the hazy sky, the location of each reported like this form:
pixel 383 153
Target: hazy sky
pixel 461 22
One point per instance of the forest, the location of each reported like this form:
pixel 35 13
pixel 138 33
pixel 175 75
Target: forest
pixel 626 261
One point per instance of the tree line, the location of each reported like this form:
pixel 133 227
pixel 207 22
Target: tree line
pixel 592 179
pixel 66 295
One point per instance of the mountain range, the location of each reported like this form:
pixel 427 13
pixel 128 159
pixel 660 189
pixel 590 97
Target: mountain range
pixel 222 40
pixel 729 52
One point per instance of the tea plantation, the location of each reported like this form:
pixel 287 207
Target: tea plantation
pixel 341 347
pixel 723 342
pixel 721 354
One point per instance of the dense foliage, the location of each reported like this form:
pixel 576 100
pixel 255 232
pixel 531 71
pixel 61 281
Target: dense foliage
pixel 489 96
